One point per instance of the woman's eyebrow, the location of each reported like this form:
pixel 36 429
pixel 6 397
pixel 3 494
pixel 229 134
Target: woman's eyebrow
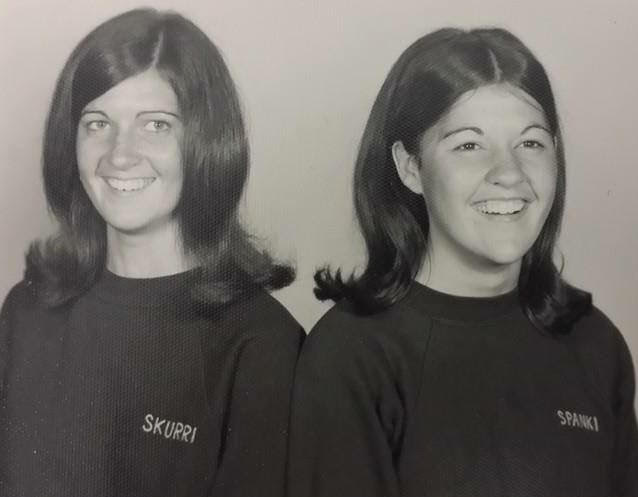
pixel 463 128
pixel 537 126
pixel 176 116
pixel 89 111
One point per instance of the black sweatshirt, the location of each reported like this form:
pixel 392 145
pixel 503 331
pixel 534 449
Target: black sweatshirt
pixel 131 392
pixel 451 396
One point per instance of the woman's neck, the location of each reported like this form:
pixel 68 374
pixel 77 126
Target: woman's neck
pixel 467 278
pixel 145 255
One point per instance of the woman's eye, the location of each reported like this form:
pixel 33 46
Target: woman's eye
pixel 467 147
pixel 532 144
pixel 96 125
pixel 157 126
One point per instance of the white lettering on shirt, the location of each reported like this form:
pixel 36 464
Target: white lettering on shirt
pixel 577 420
pixel 170 430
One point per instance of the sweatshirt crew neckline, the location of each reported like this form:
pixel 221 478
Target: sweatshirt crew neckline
pixel 455 308
pixel 146 292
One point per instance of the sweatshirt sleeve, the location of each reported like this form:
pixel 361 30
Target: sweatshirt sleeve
pixel 4 337
pixel 342 424
pixel 625 477
pixel 255 447
pixel 6 318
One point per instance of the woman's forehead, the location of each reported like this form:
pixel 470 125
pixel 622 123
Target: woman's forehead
pixel 147 90
pixel 500 100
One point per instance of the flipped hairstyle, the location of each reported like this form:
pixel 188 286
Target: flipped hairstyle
pixel 215 157
pixel 420 88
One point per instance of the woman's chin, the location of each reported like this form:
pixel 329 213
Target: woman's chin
pixel 505 256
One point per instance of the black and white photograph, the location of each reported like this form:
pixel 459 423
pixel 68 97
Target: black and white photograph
pixel 318 249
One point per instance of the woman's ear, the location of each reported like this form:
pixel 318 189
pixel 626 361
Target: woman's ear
pixel 408 168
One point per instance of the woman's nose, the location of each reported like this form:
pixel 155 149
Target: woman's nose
pixel 506 171
pixel 124 153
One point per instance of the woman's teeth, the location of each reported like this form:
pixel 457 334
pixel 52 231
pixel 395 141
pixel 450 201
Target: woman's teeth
pixel 500 206
pixel 129 185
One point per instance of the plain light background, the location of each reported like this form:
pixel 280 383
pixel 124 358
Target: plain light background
pixel 308 72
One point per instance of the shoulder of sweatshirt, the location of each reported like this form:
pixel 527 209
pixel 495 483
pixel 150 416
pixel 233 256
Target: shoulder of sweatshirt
pixel 20 301
pixel 602 348
pixel 596 331
pixel 260 315
pixel 390 340
pixel 20 298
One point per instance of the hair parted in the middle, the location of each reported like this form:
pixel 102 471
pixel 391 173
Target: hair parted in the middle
pixel 215 158
pixel 422 85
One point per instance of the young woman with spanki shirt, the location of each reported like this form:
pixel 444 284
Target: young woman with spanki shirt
pixel 459 362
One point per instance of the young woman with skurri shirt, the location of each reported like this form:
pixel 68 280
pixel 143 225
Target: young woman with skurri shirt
pixel 142 354
pixel 458 362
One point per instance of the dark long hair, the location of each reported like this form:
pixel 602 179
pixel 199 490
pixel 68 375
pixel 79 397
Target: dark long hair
pixel 422 85
pixel 215 156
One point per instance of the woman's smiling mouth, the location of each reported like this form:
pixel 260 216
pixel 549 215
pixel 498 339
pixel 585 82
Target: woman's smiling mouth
pixel 504 209
pixel 128 185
